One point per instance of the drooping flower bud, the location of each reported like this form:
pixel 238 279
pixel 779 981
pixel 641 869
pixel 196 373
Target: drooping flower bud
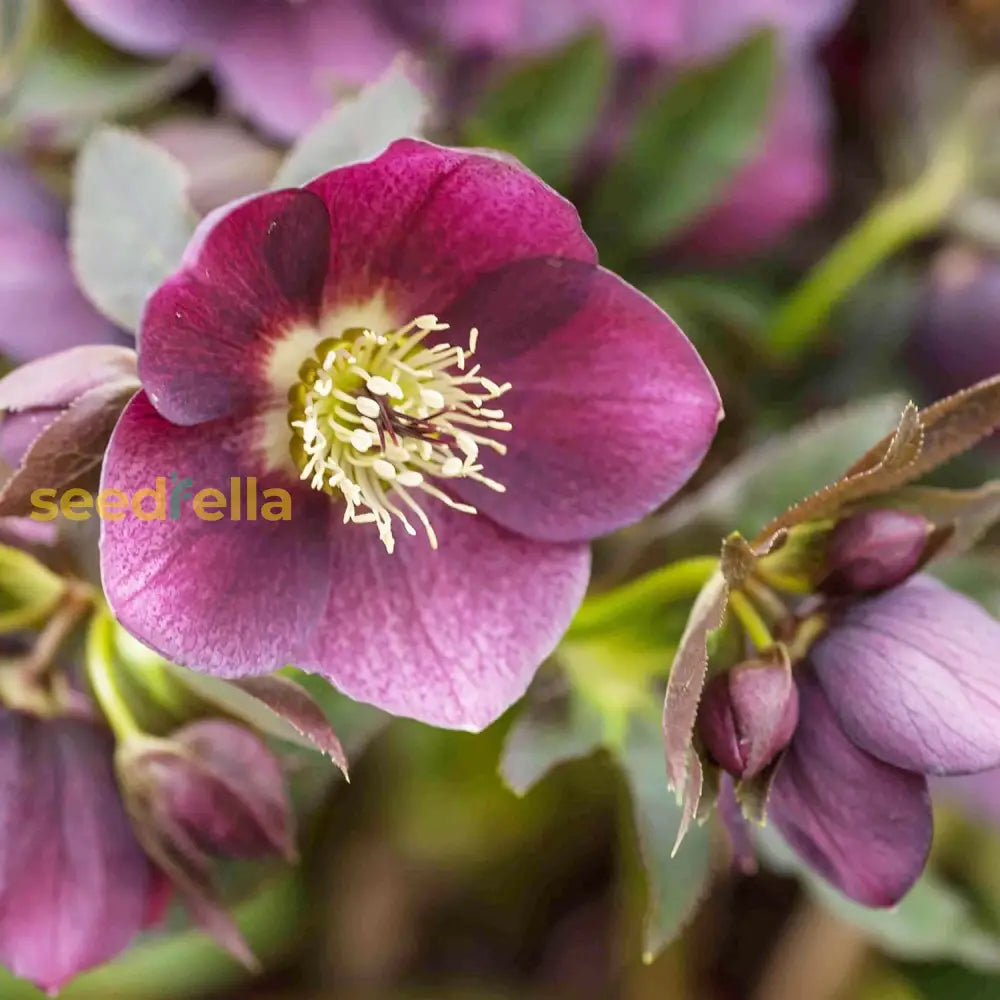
pixel 875 550
pixel 956 337
pixel 213 789
pixel 748 715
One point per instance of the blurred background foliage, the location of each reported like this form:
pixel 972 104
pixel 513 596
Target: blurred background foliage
pixel 824 225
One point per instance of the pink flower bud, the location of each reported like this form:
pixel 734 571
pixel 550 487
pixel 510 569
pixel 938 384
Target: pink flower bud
pixel 213 789
pixel 748 715
pixel 875 550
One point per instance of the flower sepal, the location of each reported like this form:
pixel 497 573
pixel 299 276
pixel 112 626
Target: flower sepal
pixel 58 413
pixel 748 713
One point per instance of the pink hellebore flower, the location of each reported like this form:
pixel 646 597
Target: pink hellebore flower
pixel 424 352
pixel 280 62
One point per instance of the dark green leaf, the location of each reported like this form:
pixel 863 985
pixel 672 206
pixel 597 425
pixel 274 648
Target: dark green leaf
pixel 676 884
pixel 545 111
pixel 689 140
pixel 546 734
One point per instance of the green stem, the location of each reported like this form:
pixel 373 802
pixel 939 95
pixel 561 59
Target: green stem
pixel 101 670
pixel 674 582
pixel 889 226
pixel 749 617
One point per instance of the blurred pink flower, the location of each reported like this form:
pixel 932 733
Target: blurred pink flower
pixel 282 63
pixel 43 309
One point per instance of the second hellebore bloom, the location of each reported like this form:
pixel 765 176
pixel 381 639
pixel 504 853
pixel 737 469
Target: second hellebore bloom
pixel 901 687
pixel 423 351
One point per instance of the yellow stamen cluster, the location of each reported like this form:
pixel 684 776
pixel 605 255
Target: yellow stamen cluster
pixel 380 418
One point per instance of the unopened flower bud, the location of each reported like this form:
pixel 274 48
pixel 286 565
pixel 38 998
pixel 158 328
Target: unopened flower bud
pixel 875 550
pixel 214 789
pixel 956 336
pixel 748 715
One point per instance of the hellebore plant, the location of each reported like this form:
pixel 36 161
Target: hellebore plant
pixel 423 351
pixel 121 781
pixel 822 678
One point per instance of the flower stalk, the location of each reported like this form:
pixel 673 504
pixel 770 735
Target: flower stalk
pixel 891 224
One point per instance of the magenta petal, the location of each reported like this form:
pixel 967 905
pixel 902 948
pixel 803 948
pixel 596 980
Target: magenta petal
pixel 716 25
pixel 43 310
pixel 863 825
pixel 912 677
pixel 472 25
pixel 231 597
pixel 633 27
pixel 612 408
pixel 450 637
pixel 151 27
pixel 251 272
pixel 74 882
pixel 420 223
pixel 338 45
pixel 25 200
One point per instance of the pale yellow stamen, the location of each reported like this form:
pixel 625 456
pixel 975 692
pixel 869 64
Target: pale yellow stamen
pixel 377 417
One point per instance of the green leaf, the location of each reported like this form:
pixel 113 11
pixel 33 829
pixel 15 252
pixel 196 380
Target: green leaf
pixel 130 221
pixel 688 142
pixel 68 82
pixel 676 884
pixel 780 472
pixel 952 982
pixel 20 21
pixel 358 129
pixel 29 590
pixel 713 302
pixel 547 734
pixel 562 728
pixel 545 111
pixel 932 922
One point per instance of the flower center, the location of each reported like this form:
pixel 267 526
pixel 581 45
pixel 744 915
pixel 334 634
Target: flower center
pixel 381 418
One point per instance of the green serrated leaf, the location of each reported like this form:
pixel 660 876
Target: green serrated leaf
pixel 130 221
pixel 689 140
pixel 393 107
pixel 545 111
pixel 676 884
pixel 780 471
